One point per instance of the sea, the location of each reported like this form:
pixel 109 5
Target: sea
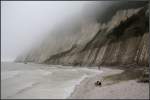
pixel 40 81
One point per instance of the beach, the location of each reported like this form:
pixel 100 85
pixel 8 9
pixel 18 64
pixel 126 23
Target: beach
pixel 130 89
pixel 34 81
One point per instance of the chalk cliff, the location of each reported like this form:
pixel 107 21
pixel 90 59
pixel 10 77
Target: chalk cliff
pixel 122 40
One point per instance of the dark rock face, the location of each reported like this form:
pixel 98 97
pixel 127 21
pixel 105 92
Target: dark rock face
pixel 122 41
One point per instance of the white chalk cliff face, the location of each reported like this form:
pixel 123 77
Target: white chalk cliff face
pixel 122 40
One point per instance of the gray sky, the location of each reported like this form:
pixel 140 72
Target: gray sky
pixel 24 23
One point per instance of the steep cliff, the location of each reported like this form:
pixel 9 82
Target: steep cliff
pixel 61 40
pixel 122 41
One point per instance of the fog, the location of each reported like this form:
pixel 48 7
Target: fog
pixel 25 23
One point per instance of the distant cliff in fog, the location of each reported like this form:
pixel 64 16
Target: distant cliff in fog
pixel 121 40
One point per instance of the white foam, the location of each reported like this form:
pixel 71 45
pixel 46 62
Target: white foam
pixel 9 74
pixel 74 83
pixel 44 72
pixel 71 86
pixel 93 70
pixel 53 83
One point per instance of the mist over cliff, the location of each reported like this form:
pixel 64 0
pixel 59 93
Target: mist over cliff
pixel 118 34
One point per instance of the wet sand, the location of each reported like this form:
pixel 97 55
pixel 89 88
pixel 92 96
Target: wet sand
pixel 121 90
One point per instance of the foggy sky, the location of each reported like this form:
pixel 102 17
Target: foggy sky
pixel 25 23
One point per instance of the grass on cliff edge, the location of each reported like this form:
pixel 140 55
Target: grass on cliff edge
pixel 141 74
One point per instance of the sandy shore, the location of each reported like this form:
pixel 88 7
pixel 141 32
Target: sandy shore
pixel 122 90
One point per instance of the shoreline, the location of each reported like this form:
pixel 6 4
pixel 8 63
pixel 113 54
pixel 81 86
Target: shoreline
pixel 127 89
pixel 67 83
pixel 24 81
pixel 77 83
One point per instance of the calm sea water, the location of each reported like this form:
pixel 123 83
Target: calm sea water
pixel 37 81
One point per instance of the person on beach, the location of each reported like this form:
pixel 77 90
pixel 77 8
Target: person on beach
pixel 98 83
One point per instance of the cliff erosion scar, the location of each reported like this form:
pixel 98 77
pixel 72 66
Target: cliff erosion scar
pixel 122 41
